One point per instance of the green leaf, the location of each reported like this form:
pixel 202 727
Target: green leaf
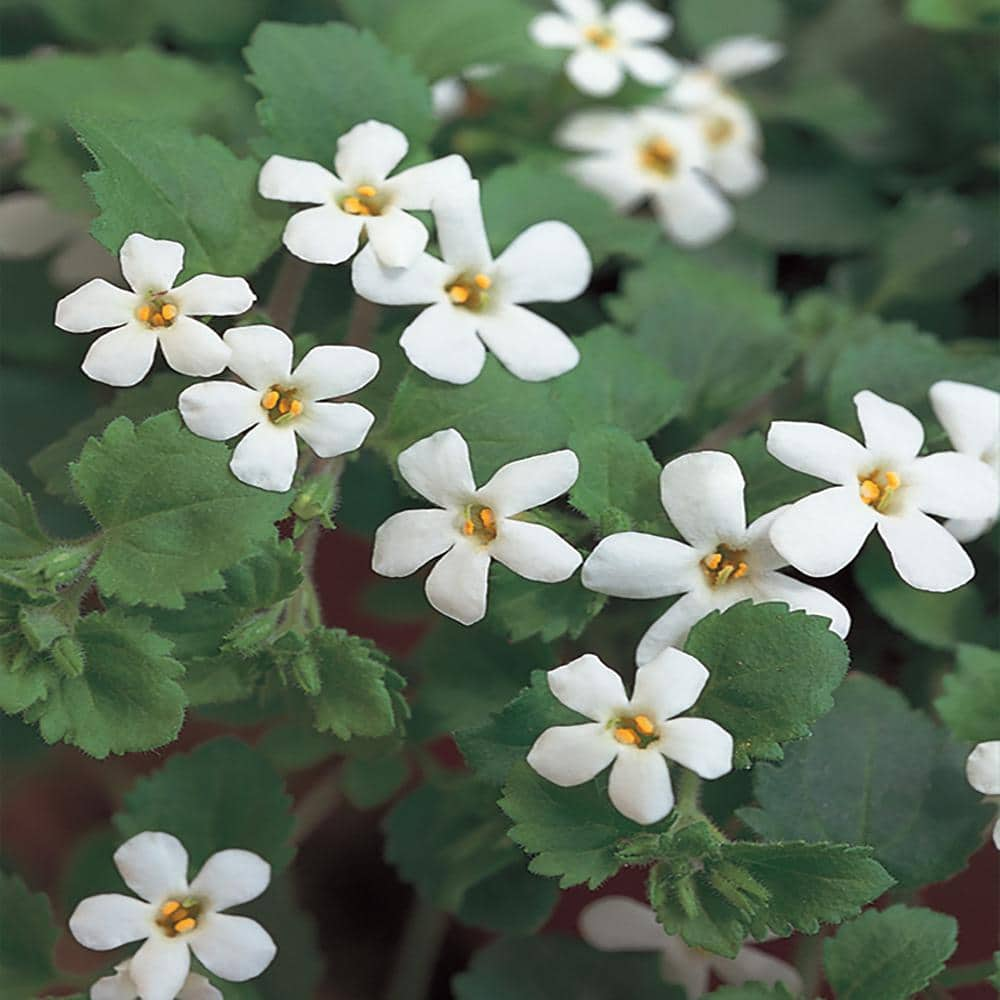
pixel 21 536
pixel 772 673
pixel 222 794
pixel 705 21
pixel 306 107
pixel 371 782
pixel 752 991
pixel 875 772
pixel 28 939
pixel 172 513
pixel 955 15
pixel 175 185
pixel 890 954
pixel 970 698
pixel 769 483
pixel 511 901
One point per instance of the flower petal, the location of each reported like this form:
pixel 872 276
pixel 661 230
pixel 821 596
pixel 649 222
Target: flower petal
pixel 323 235
pixel 761 553
pixel 890 430
pixel 753 965
pixel 211 295
pixel 530 482
pixel 198 988
pixel 737 169
pixel 587 686
pixel 154 865
pixel 233 948
pixel 982 768
pixel 417 187
pixel 964 530
pixel 121 357
pixel 817 450
pixel 595 72
pixel 924 553
pixel 160 967
pixel 702 493
pixel 615 177
pixel 741 55
pixel 411 538
pixel 953 485
pixel 219 410
pixel 820 534
pixel 801 596
pixel 461 232
pixel 639 786
pixel 117 987
pixel 285 179
pixel 672 627
pixel 581 10
pixel 231 877
pixel 571 755
pixel 332 429
pixel 438 468
pixel 192 348
pixel 397 237
pixel 635 21
pixel 334 370
pixel 631 564
pixel 649 65
pixel 969 413
pixel 617 923
pixel 424 281
pixel 692 211
pixel 94 306
pixel 527 345
pixel 548 262
pixel 534 552
pixel 266 457
pixel 668 684
pixel 700 745
pixel 553 31
pixel 368 152
pixel 442 342
pixel 602 130
pixel 110 920
pixel 150 265
pixel 457 584
pixel 261 355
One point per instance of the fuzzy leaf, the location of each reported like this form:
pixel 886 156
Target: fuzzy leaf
pixel 21 536
pixel 970 699
pixel 28 939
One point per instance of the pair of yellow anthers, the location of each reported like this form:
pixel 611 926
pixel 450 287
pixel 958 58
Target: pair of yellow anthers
pixel 872 493
pixel 165 314
pixel 486 519
pixel 179 920
pixel 460 294
pixel 735 572
pixel 631 735
pixel 353 203
pixel 274 398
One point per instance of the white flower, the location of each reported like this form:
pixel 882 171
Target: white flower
pixel 723 563
pixel 360 196
pixel 880 485
pixel 983 771
pixel 154 311
pixel 450 94
pixel 701 83
pixel 121 986
pixel 607 44
pixel 172 916
pixel 279 403
pixel 473 526
pixel 971 416
pixel 654 154
pixel 617 923
pixel 637 734
pixel 474 298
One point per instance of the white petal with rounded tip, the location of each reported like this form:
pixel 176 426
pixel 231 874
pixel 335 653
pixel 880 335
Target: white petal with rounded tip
pixel 889 429
pixel 424 281
pixel 396 237
pixel 692 211
pixel 527 345
pixel 617 923
pixel 737 169
pixel 702 493
pixel 635 21
pixel 668 684
pixel 615 177
pixel 597 131
pixel 192 348
pixel 968 531
pixel 334 370
pixel 368 152
pixel 817 450
pixel 411 538
pixel 753 965
pixel 694 88
pixel 442 342
pixel 266 457
pixel 198 988
pixel 153 865
pixel 111 920
pixel 231 877
pixel 631 564
pixel 261 355
pixel 417 187
pixel 438 468
pixel 552 31
pixel 219 410
pixel 210 295
pixel 332 429
pixel 458 582
pixel 969 414
pixel 160 967
pixel 822 533
pixel 121 357
pixel 982 768
pixel 700 745
pixel 285 179
pixel 595 72
pixel 94 306
pixel 530 482
pixel 953 485
pixel 743 54
pixel 461 232
pixel 924 553
pixel 801 596
pixel 672 627
pixel 548 262
pixel 639 786
pixel 117 987
pixel 323 235
pixel 581 10
pixel 649 65
pixel 150 265
pixel 534 552
pixel 571 755
pixel 233 948
pixel 761 553
pixel 587 686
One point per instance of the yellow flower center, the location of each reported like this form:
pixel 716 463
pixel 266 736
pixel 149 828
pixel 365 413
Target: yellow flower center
pixel 877 487
pixel 282 404
pixel 157 312
pixel 470 292
pixel 659 156
pixel 179 916
pixel 718 130
pixel 725 564
pixel 637 731
pixel 602 37
pixel 479 523
pixel 364 201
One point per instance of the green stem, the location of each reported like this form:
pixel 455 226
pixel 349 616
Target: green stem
pixel 809 959
pixel 688 788
pixel 417 957
pixel 966 975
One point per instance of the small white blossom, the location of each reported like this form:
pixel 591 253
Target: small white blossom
pixel 172 916
pixel 983 772
pixel 450 94
pixel 723 563
pixel 701 83
pixel 472 526
pixel 882 485
pixel 607 44
pixel 650 154
pixel 617 923
pixel 636 734
pixel 279 404
pixel 474 299
pixel 152 312
pixel 970 415
pixel 121 986
pixel 360 197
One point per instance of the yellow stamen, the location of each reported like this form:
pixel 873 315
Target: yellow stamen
pixel 602 37
pixel 170 906
pixel 459 294
pixel 367 191
pixel 892 480
pixel 169 311
pixel 725 564
pixel 469 527
pixel 158 319
pixel 659 156
pixel 355 206
pixel 270 400
pixel 295 407
pixel 486 516
pixel 284 406
pixel 714 561
pixel 626 736
pixel 876 488
pixel 143 313
pixel 718 130
pixel 870 491
pixel 185 925
pixel 741 570
pixel 482 281
pixel 644 724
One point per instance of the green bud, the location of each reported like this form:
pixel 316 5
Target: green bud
pixel 69 656
pixel 306 674
pixel 40 625
pixel 317 498
pixel 63 565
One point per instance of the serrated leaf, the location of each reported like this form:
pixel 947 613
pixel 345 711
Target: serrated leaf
pixel 890 954
pixel 173 515
pixel 28 939
pixel 511 901
pixel 21 536
pixel 772 674
pixel 970 698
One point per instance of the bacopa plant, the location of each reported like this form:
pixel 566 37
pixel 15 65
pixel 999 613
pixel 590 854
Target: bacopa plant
pixel 501 499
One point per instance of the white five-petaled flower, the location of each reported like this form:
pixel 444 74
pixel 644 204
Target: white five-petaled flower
pixel 450 94
pixel 653 154
pixel 473 526
pixel 279 403
pixel 971 416
pixel 474 299
pixel 881 485
pixel 152 312
pixel 983 772
pixel 172 916
pixel 121 986
pixel 617 923
pixel 607 44
pixel 700 83
pixel 360 197
pixel 723 563
pixel 636 734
